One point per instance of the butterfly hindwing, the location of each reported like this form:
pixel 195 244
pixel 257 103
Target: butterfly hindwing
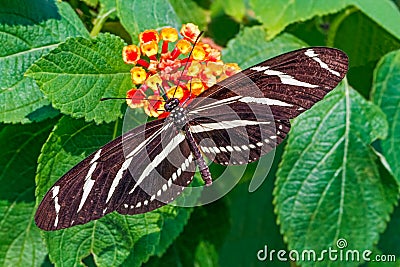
pixel 173 167
pixel 103 181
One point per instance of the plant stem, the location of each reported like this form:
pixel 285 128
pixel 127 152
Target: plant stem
pixel 336 23
pixel 100 21
pixel 115 129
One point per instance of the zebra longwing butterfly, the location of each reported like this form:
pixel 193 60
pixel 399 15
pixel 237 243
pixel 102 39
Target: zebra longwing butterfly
pixel 113 177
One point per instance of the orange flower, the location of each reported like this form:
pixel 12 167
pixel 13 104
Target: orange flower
pixel 179 92
pixel 154 106
pixel 131 54
pixel 138 75
pixel 215 68
pixel 190 32
pixel 169 34
pixel 195 86
pixel 149 36
pixel 135 98
pixel 198 53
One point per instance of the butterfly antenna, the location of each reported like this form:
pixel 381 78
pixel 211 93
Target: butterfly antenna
pixel 184 67
pixel 190 92
pixel 112 98
pixel 125 98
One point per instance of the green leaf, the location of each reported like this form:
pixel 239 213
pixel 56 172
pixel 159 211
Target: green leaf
pixel 390 239
pixel 387 15
pixel 137 16
pixel 329 184
pixel 189 11
pixel 363 58
pixel 276 15
pixel 171 229
pixel 21 243
pixel 362 29
pixel 230 231
pixel 206 229
pixel 386 95
pixel 251 47
pixel 234 8
pixel 92 3
pixel 253 222
pixel 171 221
pixel 78 73
pixel 114 238
pixel 222 27
pixel 27 33
pixel 110 7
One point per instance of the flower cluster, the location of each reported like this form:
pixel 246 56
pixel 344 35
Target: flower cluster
pixel 162 68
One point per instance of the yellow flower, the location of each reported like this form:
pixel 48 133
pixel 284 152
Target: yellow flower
pixel 149 48
pixel 169 34
pixel 198 53
pixel 195 86
pixel 194 68
pixel 176 92
pixel 231 68
pixel 215 68
pixel 152 82
pixel 138 75
pixel 184 46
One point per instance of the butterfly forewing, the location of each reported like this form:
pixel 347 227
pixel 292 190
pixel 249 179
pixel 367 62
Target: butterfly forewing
pixel 284 86
pixel 290 83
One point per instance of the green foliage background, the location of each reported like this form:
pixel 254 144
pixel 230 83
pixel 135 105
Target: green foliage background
pixel 337 176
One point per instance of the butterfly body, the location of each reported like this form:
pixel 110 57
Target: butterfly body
pixel 178 116
pixel 235 121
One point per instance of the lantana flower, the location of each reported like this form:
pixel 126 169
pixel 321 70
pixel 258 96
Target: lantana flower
pixel 159 67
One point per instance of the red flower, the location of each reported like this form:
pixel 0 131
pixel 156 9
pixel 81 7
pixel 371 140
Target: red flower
pixel 149 36
pixel 131 54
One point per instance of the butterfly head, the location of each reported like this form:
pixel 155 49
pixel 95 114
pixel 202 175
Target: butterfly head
pixel 170 104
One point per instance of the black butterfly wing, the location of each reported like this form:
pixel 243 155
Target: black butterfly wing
pixel 169 167
pixel 256 121
pixel 112 178
pixel 236 133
